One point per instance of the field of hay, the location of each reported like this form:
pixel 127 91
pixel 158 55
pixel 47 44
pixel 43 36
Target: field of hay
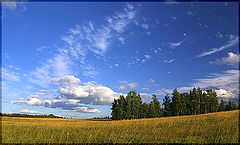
pixel 219 127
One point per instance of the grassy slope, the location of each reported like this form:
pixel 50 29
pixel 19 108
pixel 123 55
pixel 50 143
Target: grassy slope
pixel 219 127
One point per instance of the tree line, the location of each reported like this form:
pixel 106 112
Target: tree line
pixel 28 115
pixel 179 104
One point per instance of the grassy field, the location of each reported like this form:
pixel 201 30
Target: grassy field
pixel 219 127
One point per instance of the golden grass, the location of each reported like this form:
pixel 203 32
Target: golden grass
pixel 221 127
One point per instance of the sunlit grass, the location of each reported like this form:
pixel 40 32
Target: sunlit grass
pixel 219 127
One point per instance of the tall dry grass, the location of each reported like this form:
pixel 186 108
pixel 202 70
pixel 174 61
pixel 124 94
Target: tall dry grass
pixel 219 127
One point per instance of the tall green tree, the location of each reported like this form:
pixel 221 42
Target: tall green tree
pixel 176 101
pixel 204 103
pixel 121 107
pixel 144 110
pixel 213 101
pixel 231 106
pixel 155 109
pixel 167 110
pixel 198 100
pixel 222 105
pixel 183 105
pixel 195 101
pixel 114 110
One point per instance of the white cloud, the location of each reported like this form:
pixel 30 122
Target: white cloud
pixel 147 56
pixel 10 75
pixel 175 44
pixel 122 81
pixel 148 33
pixel 13 67
pixel 121 39
pixel 128 86
pixel 44 91
pixel 31 101
pixel 39 93
pixel 70 104
pixel 232 42
pixel 145 89
pixel 30 111
pixel 59 65
pixel 227 80
pixel 11 5
pixel 90 94
pixel 171 2
pixel 33 96
pixel 174 18
pixel 89 71
pixel 232 59
pixel 66 80
pixel 152 80
pixel 116 65
pixel 146 97
pixel 86 110
pixel 224 93
pixel 81 41
pixel 42 48
pixel 169 61
pixel 219 35
pixel 145 26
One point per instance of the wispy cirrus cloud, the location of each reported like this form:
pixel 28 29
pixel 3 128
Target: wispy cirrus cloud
pixel 82 41
pixel 233 41
pixel 169 61
pixel 10 75
pixel 174 44
pixel 11 5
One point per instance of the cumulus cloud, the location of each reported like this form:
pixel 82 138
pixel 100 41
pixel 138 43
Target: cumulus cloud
pixel 145 89
pixel 224 93
pixel 90 94
pixel 86 109
pixel 66 80
pixel 128 86
pixel 30 101
pixel 30 111
pixel 233 41
pixel 232 59
pixel 70 104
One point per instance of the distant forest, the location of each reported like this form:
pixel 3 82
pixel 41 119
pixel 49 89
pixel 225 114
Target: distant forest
pixel 194 102
pixel 30 116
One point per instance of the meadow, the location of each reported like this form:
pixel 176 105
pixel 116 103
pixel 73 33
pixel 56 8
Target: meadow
pixel 220 127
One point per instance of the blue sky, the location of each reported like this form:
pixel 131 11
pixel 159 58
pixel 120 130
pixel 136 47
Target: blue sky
pixel 73 59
